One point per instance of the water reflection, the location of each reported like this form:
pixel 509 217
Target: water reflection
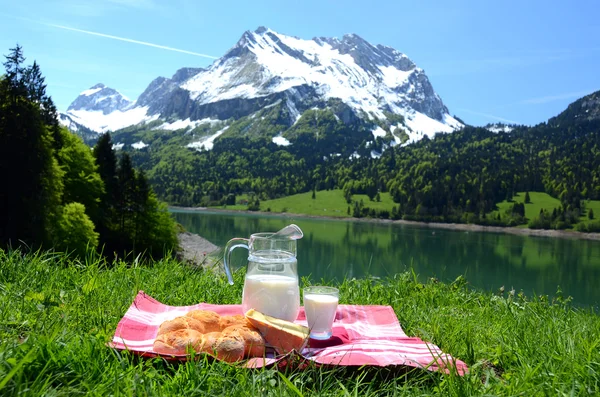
pixel 334 249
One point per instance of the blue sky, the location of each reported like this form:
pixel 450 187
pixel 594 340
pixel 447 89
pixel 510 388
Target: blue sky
pixel 512 61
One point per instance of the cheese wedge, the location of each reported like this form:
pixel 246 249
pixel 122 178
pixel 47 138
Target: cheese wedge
pixel 283 336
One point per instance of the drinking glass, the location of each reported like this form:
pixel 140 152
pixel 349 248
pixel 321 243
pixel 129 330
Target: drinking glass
pixel 320 305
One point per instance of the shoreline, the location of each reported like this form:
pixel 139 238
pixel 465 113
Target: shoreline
pixel 468 227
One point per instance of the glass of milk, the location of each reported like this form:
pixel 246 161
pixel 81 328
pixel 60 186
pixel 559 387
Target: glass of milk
pixel 320 305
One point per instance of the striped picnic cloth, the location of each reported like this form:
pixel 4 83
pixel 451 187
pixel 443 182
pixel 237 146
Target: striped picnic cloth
pixel 362 335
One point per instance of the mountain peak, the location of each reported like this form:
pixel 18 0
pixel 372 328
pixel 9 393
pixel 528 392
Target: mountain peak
pixel 373 83
pixel 584 109
pixel 100 98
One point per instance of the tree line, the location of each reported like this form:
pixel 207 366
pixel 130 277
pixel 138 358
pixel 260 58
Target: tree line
pixel 57 193
pixel 456 177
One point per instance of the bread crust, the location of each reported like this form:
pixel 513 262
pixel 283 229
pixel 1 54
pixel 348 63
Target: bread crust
pixel 254 343
pixel 178 342
pixel 181 323
pixel 228 338
pixel 209 319
pixel 229 349
pixel 209 342
pixel 228 321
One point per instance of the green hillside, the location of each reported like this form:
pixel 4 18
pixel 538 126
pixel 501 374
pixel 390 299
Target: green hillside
pixel 538 201
pixel 325 203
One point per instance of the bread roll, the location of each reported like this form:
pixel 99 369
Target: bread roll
pixel 228 338
pixel 209 319
pixel 181 323
pixel 209 342
pixel 229 349
pixel 177 342
pixel 254 343
pixel 228 321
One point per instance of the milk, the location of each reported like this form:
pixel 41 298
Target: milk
pixel 320 313
pixel 272 294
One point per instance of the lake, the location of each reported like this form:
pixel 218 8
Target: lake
pixel 334 249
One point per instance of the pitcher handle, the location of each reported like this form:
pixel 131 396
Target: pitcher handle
pixel 230 246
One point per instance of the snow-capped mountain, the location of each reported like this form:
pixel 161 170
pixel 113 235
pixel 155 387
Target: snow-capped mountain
pixel 100 98
pixel 266 68
pixel 101 109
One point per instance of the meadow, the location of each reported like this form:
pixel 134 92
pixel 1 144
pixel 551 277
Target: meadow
pixel 58 313
pixel 331 203
pixel 326 203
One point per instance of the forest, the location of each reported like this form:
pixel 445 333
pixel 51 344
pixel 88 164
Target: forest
pixel 457 177
pixel 58 193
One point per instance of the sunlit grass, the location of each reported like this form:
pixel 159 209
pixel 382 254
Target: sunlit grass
pixel 593 205
pixel 56 316
pixel 538 201
pixel 325 203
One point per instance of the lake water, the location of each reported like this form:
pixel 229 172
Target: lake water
pixel 333 249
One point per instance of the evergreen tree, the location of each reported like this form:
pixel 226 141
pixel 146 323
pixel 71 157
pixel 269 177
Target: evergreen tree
pixel 30 184
pixel 15 71
pixel 132 220
pixel 107 163
pixel 591 214
pixel 106 221
pixel 527 198
pixel 125 193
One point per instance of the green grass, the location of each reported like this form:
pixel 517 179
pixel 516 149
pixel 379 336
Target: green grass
pixel 532 210
pixel 544 201
pixel 593 205
pixel 56 316
pixel 325 203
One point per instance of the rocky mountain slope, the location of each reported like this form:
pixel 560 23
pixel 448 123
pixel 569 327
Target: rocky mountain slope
pixel 582 110
pixel 374 86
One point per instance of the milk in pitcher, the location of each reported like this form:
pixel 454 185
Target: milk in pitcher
pixel 274 294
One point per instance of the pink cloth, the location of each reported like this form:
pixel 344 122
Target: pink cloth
pixel 362 335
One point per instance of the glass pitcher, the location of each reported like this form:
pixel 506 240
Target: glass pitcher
pixel 271 283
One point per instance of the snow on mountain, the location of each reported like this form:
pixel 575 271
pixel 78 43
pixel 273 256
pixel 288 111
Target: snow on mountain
pixel 98 121
pixel 207 142
pixel 265 69
pixel 371 79
pixel 187 123
pixel 499 127
pixel 101 98
pixel 280 141
pixel 101 108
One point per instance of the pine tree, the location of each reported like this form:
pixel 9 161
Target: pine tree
pixel 30 179
pixel 527 198
pixel 34 83
pixel 15 71
pixel 591 214
pixel 106 161
pixel 125 194
pixel 140 198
